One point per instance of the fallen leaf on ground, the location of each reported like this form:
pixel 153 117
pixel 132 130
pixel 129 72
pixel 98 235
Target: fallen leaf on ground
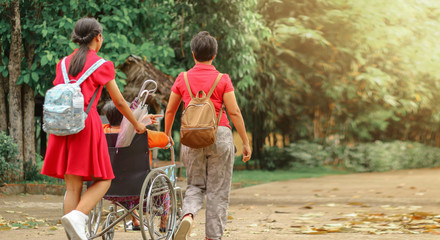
pixel 355 204
pixel 281 212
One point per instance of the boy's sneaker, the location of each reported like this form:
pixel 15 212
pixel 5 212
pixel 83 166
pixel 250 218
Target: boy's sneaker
pixel 74 224
pixel 184 228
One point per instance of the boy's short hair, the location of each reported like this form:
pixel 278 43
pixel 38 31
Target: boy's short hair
pixel 204 46
pixel 112 113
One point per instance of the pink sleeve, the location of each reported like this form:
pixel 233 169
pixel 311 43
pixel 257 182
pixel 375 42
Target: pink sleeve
pixel 105 73
pixel 228 84
pixel 177 84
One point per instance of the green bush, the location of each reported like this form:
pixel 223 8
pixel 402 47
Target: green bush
pixel 9 165
pixel 32 172
pixel 363 157
pixel 385 156
pixel 275 158
pixel 308 154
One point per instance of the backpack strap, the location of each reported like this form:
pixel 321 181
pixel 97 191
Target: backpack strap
pixel 217 80
pixel 92 100
pixel 220 114
pixel 89 71
pixel 64 71
pixel 214 85
pixel 185 76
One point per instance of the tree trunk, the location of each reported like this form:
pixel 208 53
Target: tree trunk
pixel 258 136
pixel 316 124
pixel 3 100
pixel 14 68
pixel 286 140
pixel 29 112
pixel 437 140
pixel 3 113
pixel 29 124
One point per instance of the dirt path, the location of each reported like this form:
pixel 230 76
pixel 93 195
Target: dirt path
pixel 391 205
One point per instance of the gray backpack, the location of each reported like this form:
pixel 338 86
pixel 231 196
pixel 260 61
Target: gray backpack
pixel 63 109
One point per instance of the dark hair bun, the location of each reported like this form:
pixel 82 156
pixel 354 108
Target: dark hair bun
pixel 83 40
pixel 85 30
pixel 83 33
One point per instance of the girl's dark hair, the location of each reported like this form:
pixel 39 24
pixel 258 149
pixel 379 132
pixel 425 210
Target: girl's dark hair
pixel 112 113
pixel 85 30
pixel 204 46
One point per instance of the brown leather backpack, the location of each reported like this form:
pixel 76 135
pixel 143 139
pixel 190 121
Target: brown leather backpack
pixel 199 121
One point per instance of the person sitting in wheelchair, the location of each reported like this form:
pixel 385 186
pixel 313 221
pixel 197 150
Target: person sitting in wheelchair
pixel 156 139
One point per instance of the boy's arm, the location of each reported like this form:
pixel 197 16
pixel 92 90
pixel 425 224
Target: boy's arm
pixel 170 113
pixel 237 119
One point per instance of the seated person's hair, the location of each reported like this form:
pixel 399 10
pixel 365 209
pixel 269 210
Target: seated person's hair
pixel 112 113
pixel 155 138
pixel 204 46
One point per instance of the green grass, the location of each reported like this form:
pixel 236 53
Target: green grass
pixel 245 178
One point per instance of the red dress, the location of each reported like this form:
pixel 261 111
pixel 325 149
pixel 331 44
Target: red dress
pixel 85 153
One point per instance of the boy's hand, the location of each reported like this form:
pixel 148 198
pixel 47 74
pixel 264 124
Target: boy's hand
pixel 154 117
pixel 247 152
pixel 151 117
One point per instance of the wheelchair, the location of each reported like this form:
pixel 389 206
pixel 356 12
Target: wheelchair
pixel 152 192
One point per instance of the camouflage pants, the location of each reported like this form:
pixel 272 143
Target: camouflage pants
pixel 209 172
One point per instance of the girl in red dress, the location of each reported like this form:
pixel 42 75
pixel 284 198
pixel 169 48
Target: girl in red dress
pixel 84 156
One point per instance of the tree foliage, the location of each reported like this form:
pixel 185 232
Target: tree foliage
pixel 357 70
pixel 335 70
pixel 130 27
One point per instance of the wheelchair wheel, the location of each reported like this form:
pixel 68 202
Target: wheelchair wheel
pixel 157 206
pixel 111 217
pixel 94 219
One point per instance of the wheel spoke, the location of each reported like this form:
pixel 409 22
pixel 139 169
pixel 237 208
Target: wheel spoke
pixel 158 205
pixel 94 220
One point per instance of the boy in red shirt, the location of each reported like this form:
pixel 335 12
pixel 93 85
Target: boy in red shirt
pixel 209 169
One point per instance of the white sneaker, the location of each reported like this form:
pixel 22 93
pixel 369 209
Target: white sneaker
pixel 75 225
pixel 68 237
pixel 184 229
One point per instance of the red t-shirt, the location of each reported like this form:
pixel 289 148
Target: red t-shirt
pixel 202 77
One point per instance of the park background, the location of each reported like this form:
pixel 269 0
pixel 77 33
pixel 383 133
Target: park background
pixel 325 86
